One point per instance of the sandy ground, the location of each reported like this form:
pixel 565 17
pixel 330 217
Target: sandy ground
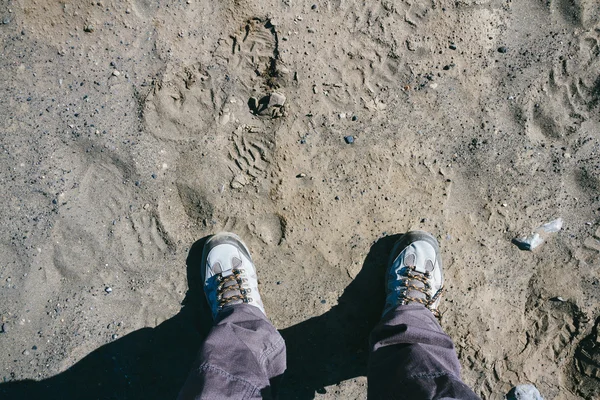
pixel 131 129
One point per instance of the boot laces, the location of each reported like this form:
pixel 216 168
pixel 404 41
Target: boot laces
pixel 231 288
pixel 411 274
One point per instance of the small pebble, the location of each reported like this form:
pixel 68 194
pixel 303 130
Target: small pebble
pixel 34 348
pixel 311 30
pixel 349 139
pixel 313 7
pixel 108 289
pixel 502 49
pixel 452 46
pixel 276 100
pixel 323 301
pixel 301 175
pixel 3 328
pixel 6 21
pixel 137 183
pixel 115 336
pixel 26 352
pixel 116 73
pixel 88 28
pixel 354 118
pixel 154 176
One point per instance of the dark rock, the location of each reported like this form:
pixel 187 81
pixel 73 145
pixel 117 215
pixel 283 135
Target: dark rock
pixel 502 49
pixel 452 46
pixel 349 139
pixel 354 118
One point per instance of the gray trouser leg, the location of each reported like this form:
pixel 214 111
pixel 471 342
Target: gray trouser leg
pixel 242 357
pixel 412 358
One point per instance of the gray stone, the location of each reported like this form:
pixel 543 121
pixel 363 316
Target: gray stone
pixel 239 182
pixel 276 100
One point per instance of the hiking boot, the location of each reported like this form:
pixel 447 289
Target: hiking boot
pixel 228 273
pixel 414 273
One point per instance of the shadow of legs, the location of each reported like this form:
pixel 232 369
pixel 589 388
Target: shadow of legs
pixel 150 363
pixel 153 363
pixel 333 347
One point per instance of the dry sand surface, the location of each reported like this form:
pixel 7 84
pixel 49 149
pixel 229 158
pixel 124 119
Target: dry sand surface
pixel 131 129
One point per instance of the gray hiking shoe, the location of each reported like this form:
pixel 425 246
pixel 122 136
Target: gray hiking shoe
pixel 228 273
pixel 414 273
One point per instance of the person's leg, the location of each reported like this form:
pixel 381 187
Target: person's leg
pixel 243 356
pixel 411 356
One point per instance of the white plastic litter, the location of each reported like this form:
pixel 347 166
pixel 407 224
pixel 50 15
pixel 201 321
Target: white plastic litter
pixel 524 392
pixel 537 237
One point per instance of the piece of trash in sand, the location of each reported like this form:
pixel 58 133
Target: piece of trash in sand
pixel 537 237
pixel 524 392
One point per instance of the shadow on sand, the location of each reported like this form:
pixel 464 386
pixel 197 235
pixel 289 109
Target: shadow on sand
pixel 152 363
